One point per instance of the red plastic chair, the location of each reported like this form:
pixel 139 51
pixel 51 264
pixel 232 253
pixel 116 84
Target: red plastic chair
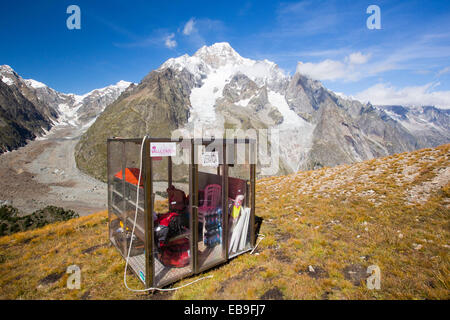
pixel 211 200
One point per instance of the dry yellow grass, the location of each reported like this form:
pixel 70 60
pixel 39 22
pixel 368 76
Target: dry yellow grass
pixel 391 212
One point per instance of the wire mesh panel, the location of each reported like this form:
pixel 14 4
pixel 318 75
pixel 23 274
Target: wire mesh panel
pixel 172 256
pixel 210 242
pixel 115 199
pixel 239 198
pixel 115 161
pixel 123 177
pixel 134 207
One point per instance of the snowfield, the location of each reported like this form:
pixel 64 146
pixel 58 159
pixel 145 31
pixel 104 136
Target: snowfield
pixel 8 81
pixel 34 84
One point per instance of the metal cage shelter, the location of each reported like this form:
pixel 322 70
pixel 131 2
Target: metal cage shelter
pixel 218 219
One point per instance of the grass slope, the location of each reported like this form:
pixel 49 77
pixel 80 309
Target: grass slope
pixel 323 229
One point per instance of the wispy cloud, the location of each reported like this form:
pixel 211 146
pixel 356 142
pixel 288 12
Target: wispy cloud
pixel 116 28
pixel 443 71
pixel 386 94
pixel 198 30
pixel 141 42
pixel 189 27
pixel 158 38
pixel 413 55
pixel 169 42
pixel 245 9
pixel 308 17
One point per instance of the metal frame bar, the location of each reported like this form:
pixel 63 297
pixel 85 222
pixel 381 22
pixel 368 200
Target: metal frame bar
pixel 191 207
pixel 194 197
pixel 169 171
pixel 253 192
pixel 108 170
pixel 148 216
pixel 225 231
pixel 124 202
pixel 252 211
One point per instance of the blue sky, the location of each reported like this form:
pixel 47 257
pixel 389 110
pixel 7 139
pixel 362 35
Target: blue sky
pixel 408 59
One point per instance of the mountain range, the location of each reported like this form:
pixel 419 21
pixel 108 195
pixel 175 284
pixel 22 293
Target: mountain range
pixel 217 89
pixel 29 108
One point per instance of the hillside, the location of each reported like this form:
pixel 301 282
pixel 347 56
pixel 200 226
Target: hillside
pixel 20 120
pixel 322 230
pixel 29 108
pixel 152 106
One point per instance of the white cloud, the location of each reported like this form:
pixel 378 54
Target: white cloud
pixel 348 69
pixel 198 30
pixel 417 54
pixel 169 42
pixel 443 71
pixel 386 94
pixel 358 58
pixel 189 27
pixel 325 70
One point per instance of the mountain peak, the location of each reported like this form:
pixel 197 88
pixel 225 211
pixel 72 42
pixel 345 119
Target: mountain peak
pixel 6 69
pixel 7 75
pixel 218 48
pixel 123 84
pixel 218 55
pixel 221 55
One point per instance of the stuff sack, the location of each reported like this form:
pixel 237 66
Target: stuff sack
pixel 170 225
pixel 177 199
pixel 176 253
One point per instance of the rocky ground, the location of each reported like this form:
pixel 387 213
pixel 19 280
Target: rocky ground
pixel 44 173
pixel 326 233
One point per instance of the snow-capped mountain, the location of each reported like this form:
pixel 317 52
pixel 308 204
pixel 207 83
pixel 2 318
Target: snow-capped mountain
pixel 213 68
pixel 217 89
pixel 54 108
pixel 428 124
pixel 223 80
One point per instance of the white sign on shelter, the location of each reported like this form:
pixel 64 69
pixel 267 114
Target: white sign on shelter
pixel 210 159
pixel 163 149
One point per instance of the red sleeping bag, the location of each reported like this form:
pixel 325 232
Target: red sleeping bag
pixel 176 253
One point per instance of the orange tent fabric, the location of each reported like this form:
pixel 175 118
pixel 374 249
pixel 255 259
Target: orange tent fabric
pixel 131 176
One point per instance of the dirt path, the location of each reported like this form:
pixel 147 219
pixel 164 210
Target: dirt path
pixel 44 173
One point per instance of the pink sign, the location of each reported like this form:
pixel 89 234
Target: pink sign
pixel 163 149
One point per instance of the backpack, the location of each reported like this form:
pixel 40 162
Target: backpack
pixel 169 225
pixel 176 253
pixel 177 199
